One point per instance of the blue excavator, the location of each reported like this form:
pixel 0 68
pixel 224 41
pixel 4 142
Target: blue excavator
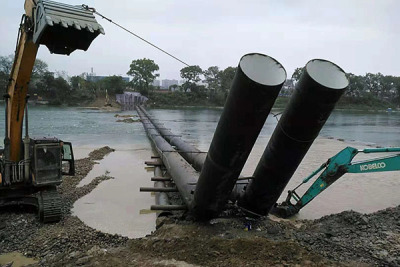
pixel 331 171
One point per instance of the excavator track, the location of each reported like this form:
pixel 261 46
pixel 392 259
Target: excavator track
pixel 49 206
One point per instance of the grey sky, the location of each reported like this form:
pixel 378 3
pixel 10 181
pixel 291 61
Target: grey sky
pixel 359 35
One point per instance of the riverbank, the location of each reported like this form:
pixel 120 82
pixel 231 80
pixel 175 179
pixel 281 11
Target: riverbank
pixel 182 100
pixel 345 239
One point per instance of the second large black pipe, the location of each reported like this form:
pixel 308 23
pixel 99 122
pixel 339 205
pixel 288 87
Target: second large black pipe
pixel 256 85
pixel 318 90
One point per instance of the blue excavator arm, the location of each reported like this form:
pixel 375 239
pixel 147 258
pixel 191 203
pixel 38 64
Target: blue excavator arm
pixel 331 171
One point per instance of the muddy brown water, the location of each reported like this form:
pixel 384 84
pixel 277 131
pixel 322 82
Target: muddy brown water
pixel 117 206
pixel 366 192
pixel 16 258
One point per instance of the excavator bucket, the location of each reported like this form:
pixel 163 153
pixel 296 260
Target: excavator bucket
pixel 64 28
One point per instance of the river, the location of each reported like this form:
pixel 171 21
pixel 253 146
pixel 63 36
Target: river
pixel 116 206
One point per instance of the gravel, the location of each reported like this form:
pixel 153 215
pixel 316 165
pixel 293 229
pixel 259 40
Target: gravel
pixel 370 238
pixel 20 229
pixel 345 239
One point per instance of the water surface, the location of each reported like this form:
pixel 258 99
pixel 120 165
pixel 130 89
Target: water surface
pixel 360 192
pixel 117 206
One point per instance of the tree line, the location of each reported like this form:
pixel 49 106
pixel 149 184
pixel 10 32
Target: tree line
pixel 369 89
pixel 369 86
pixel 217 82
pixel 59 88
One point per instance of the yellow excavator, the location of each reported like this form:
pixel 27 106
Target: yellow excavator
pixel 31 168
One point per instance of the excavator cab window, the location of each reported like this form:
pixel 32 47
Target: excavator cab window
pixel 47 164
pixel 68 157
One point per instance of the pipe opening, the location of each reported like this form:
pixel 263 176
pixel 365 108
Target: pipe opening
pixel 327 74
pixel 263 69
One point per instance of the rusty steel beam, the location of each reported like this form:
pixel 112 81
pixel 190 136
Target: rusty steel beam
pixel 320 86
pixel 256 85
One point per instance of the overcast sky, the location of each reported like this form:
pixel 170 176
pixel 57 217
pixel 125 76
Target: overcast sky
pixel 359 35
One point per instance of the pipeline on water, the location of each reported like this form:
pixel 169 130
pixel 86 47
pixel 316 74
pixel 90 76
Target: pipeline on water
pixel 182 173
pixel 190 153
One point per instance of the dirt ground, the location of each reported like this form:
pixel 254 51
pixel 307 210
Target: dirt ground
pixel 345 239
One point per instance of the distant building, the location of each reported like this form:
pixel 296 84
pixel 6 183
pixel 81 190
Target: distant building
pixel 165 84
pixel 156 83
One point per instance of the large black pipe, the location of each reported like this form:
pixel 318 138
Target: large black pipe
pixel 182 173
pixel 190 153
pixel 320 86
pixel 196 158
pixel 255 87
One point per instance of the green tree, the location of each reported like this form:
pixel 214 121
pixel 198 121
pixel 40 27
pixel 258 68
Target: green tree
pixel 213 79
pixel 56 90
pixel 396 89
pixel 5 69
pixel 76 82
pixel 226 77
pixel 61 92
pixel 296 74
pixel 356 85
pixel 113 84
pixel 81 90
pixel 143 74
pixel 192 75
pixel 39 69
pixel 45 84
pixel 173 87
pixel 6 64
pixel 389 84
pixel 374 83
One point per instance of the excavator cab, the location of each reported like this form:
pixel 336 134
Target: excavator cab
pixel 64 28
pixel 50 159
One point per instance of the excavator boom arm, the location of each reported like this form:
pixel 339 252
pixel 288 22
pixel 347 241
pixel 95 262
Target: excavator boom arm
pixel 17 92
pixel 376 165
pixel 63 29
pixel 335 168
